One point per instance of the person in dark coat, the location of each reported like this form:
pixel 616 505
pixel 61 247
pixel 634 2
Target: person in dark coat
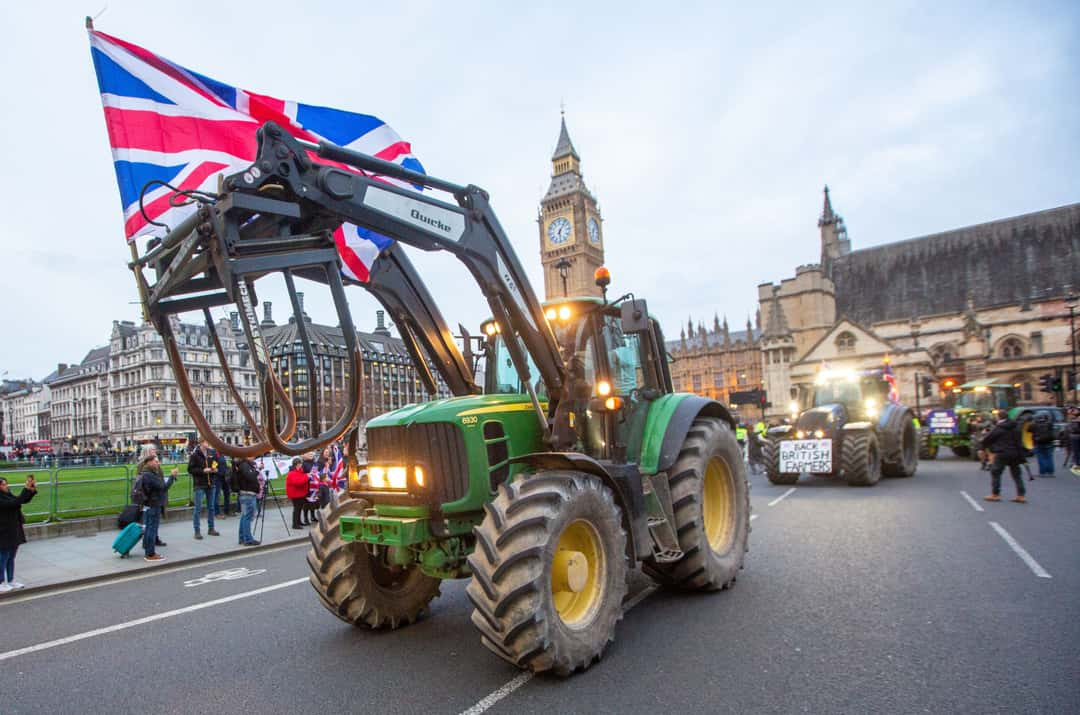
pixel 1005 443
pixel 202 467
pixel 155 489
pixel 11 529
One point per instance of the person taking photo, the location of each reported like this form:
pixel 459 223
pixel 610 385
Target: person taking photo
pixel 11 529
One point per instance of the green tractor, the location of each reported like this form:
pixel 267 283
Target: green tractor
pixel 544 484
pixel 973 404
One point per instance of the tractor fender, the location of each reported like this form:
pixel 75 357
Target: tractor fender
pixel 857 426
pixel 678 425
pixel 625 487
pixel 779 431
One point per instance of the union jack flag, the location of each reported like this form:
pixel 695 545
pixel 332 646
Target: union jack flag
pixel 171 124
pixel 894 389
pixel 337 472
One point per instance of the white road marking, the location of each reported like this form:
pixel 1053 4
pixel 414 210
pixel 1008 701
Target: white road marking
pixel 160 571
pixel 148 619
pixel 499 694
pixel 517 681
pixel 1020 551
pixel 782 497
pixel 226 575
pixel 754 516
pixel 974 504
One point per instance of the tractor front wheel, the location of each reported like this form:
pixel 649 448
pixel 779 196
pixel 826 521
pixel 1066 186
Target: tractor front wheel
pixel 927 450
pixel 358 587
pixel 549 571
pixel 711 501
pixel 771 451
pixel 908 456
pixel 861 459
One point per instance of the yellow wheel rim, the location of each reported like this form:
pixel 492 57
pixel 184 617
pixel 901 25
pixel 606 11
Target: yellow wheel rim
pixel 718 507
pixel 577 574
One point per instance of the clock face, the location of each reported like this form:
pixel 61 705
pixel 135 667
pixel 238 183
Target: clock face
pixel 559 231
pixel 594 230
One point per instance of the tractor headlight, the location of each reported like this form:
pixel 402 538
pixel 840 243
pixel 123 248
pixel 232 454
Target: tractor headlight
pixel 871 407
pixel 819 434
pixel 799 434
pixel 387 477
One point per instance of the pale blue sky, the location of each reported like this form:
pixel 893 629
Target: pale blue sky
pixel 706 130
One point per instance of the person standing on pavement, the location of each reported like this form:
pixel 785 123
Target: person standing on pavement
pixel 247 486
pixel 201 467
pixel 155 488
pixel 1005 444
pixel 11 529
pixel 296 490
pixel 221 487
pixel 1042 431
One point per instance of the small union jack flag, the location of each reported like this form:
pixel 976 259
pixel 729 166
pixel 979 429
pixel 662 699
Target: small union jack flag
pixel 171 124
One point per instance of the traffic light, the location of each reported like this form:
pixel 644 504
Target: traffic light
pixel 1056 384
pixel 1070 380
pixel 926 384
pixel 763 399
pixel 1046 383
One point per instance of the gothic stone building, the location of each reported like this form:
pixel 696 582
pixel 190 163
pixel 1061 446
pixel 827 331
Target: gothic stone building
pixel 984 301
pixel 714 363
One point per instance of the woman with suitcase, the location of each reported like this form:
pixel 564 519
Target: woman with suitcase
pixel 11 529
pixel 155 489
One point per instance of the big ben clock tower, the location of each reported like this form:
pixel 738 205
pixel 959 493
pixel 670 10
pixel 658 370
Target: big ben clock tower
pixel 571 234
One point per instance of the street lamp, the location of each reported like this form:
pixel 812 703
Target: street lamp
pixel 563 265
pixel 1070 303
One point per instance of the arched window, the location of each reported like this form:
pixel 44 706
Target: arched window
pixel 1012 348
pixel 845 342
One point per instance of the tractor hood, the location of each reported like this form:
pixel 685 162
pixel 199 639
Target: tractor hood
pixel 824 417
pixel 454 410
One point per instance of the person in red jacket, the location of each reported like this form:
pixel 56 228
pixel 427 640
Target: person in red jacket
pixel 296 489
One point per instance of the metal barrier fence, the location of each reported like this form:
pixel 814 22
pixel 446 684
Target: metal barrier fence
pixel 73 492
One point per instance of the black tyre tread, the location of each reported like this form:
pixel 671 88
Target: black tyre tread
pixel 699 569
pixel 908 459
pixel 340 575
pixel 510 586
pixel 855 461
pixel 771 454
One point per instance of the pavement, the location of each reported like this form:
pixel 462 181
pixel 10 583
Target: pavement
pixel 64 560
pixel 905 597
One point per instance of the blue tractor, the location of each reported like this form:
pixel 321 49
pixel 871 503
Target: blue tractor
pixel 854 429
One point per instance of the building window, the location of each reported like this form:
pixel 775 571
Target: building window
pixel 845 342
pixel 1012 348
pixel 1037 342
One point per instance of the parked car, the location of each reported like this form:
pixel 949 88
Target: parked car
pixel 1057 416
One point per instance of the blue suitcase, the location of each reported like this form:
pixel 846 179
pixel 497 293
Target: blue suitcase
pixel 127 539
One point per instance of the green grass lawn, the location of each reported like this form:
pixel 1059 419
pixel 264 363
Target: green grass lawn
pixel 74 492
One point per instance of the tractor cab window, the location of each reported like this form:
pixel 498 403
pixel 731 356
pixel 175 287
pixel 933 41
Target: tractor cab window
pixel 846 392
pixel 624 357
pixel 985 399
pixel 502 378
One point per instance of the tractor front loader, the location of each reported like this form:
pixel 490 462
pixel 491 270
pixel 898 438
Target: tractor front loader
pixel 571 464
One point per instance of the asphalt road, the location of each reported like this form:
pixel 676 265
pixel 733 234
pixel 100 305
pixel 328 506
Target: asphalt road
pixel 896 599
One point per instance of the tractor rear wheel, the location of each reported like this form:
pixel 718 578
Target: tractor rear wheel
pixel 861 458
pixel 926 449
pixel 549 571
pixel 908 459
pixel 962 451
pixel 771 451
pixel 356 586
pixel 711 500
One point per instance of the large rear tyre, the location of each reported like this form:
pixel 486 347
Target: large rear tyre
pixel 962 451
pixel 358 587
pixel 861 459
pixel 908 460
pixel 926 449
pixel 771 451
pixel 549 571
pixel 711 500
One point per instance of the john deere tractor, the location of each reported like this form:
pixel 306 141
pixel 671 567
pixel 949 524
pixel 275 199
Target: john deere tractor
pixel 573 461
pixel 852 431
pixel 973 405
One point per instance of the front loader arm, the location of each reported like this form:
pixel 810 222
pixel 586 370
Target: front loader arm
pixel 329 195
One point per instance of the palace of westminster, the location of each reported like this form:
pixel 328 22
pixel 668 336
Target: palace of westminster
pixel 991 300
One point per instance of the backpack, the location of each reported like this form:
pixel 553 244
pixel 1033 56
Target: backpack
pixel 1043 430
pixel 138 494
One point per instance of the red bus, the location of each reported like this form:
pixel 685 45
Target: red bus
pixel 41 446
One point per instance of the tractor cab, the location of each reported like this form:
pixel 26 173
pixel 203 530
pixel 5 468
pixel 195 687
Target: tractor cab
pixel 616 368
pixel 983 396
pixel 860 394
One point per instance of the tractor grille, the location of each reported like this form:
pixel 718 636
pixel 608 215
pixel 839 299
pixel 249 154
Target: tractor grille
pixel 438 447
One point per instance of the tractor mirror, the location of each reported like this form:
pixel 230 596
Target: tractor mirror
pixel 635 317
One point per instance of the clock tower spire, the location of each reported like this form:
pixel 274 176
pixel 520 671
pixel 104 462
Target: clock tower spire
pixel 571 235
